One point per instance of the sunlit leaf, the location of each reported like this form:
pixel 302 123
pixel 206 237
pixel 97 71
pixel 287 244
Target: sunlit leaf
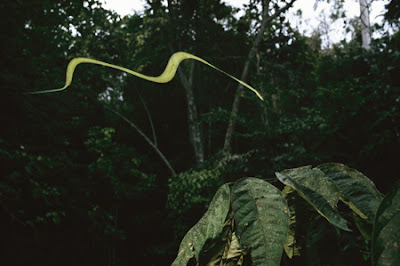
pixel 357 190
pixel 208 227
pixel 262 219
pixel 315 180
pixel 235 253
pixel 321 198
pixel 386 231
pixel 224 250
pixel 214 250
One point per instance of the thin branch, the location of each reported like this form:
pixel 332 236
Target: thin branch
pixel 149 117
pixel 133 125
pixel 148 140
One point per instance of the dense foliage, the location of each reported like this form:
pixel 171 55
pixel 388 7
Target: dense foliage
pixel 251 222
pixel 79 185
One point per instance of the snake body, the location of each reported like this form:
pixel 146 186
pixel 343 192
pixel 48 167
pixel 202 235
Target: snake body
pixel 166 76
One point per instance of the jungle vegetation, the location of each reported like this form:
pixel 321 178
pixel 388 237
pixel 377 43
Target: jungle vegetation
pixel 116 170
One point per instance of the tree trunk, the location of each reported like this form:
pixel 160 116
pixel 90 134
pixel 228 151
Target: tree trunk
pixel 266 19
pixel 264 114
pixel 187 83
pixel 193 120
pixel 365 27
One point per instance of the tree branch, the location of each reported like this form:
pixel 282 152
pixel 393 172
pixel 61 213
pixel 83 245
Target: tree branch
pixel 193 121
pixel 149 117
pixel 163 158
pixel 133 125
pixel 266 19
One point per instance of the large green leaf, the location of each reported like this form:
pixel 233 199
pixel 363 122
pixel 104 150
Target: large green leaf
pixel 208 227
pixel 225 249
pixel 262 219
pixel 357 191
pixel 386 231
pixel 315 180
pixel 316 190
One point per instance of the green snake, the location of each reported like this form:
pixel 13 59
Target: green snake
pixel 166 76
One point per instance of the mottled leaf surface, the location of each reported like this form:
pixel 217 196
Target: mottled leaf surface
pixel 357 190
pixel 386 231
pixel 208 227
pixel 318 201
pixel 225 249
pixel 262 219
pixel 315 180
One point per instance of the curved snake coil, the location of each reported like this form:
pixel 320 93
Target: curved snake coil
pixel 166 76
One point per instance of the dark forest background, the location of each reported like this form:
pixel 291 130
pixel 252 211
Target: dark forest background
pixel 79 183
